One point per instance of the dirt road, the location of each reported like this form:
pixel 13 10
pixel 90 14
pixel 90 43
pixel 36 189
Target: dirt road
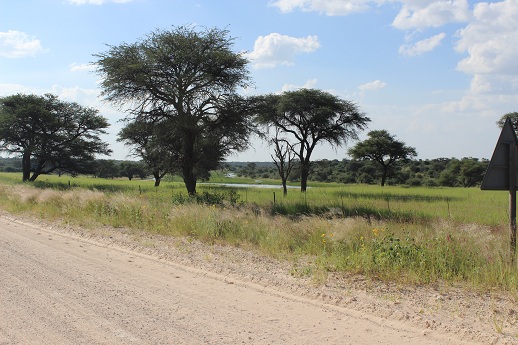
pixel 57 288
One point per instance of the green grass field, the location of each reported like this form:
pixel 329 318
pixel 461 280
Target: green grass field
pixel 415 204
pixel 408 235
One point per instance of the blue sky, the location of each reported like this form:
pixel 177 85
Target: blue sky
pixel 436 74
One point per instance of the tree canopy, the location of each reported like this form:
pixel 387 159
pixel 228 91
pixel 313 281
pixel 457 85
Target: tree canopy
pixel 310 117
pixel 382 148
pixel 514 120
pixel 50 134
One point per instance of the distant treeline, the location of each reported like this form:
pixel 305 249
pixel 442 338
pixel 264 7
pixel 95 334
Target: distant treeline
pixel 103 168
pixel 451 172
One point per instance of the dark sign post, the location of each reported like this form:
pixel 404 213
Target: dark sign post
pixel 501 174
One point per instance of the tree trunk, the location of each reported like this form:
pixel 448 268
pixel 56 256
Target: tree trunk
pixel 384 176
pixel 189 177
pixel 304 173
pixel 26 166
pixel 157 176
pixel 35 174
pixel 37 171
pixel 190 184
pixel 284 188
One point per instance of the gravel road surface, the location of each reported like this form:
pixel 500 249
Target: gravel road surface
pixel 58 288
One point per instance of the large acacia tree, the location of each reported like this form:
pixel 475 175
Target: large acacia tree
pixel 186 80
pixel 310 117
pixel 382 148
pixel 50 134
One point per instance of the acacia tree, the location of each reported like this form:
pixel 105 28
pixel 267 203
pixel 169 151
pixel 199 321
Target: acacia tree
pixel 50 134
pixel 132 169
pixel 283 158
pixel 151 141
pixel 189 80
pixel 310 117
pixel 384 149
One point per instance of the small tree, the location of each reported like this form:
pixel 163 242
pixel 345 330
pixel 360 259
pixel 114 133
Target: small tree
pixel 50 135
pixel 283 158
pixel 154 144
pixel 311 117
pixel 384 149
pixel 106 168
pixel 132 169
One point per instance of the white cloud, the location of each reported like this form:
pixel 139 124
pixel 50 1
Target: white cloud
pixel 490 42
pixel 77 94
pixel 96 2
pixel 329 7
pixel 414 14
pixel 83 96
pixel 309 84
pixel 490 39
pixel 422 46
pixel 12 89
pixel 372 86
pixel 74 67
pixel 276 49
pixel 420 14
pixel 16 44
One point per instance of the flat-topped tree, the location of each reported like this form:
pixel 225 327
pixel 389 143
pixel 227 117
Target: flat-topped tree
pixel 51 135
pixel 382 148
pixel 187 80
pixel 309 117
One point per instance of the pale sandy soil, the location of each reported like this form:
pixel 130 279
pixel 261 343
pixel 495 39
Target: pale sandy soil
pixel 109 286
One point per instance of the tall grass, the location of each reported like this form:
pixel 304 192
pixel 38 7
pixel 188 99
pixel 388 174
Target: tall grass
pixel 464 205
pixel 412 235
